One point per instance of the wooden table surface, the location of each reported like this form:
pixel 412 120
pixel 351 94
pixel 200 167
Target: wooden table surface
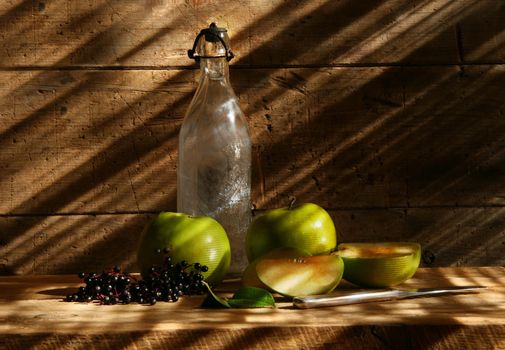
pixel 33 315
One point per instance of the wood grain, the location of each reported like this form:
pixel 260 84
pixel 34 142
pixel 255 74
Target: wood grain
pixel 88 142
pixel 71 243
pixel 395 152
pixel 158 33
pixel 386 138
pixel 65 244
pixel 33 314
pixel 482 33
pixel 268 338
pixel 71 138
pixel 274 338
pixel 388 114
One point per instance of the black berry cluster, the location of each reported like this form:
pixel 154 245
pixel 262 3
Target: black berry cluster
pixel 167 282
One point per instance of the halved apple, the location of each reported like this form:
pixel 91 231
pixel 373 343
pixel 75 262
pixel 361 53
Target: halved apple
pixel 302 275
pixel 250 276
pixel 379 265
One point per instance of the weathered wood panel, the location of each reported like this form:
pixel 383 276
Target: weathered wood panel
pixel 482 33
pixel 67 244
pixel 71 243
pixel 158 32
pixel 105 141
pixel 449 236
pixel 275 338
pixel 33 316
pixel 72 138
pixel 395 143
pixel 264 338
pixel 388 137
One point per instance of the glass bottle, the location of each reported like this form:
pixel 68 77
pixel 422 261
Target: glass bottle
pixel 214 164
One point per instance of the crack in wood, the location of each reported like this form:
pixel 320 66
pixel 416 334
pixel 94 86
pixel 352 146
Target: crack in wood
pixel 258 210
pixel 56 68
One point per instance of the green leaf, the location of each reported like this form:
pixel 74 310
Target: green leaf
pixel 213 301
pixel 248 303
pixel 252 297
pixel 245 297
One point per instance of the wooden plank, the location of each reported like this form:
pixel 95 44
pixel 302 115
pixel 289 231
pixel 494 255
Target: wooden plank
pixel 482 33
pixel 91 135
pixel 68 244
pixel 105 141
pixel 384 137
pixel 448 236
pixel 72 243
pixel 266 338
pixel 274 338
pixel 32 313
pixel 159 32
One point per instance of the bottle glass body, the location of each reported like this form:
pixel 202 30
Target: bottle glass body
pixel 214 164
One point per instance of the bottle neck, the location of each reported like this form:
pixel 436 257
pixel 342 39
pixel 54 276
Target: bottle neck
pixel 215 68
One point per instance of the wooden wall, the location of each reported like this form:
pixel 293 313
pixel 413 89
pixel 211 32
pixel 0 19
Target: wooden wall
pixel 390 114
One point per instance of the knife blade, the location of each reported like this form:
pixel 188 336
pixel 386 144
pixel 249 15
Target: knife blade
pixel 366 296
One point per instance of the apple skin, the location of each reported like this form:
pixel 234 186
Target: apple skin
pixel 192 238
pixel 307 227
pixel 379 265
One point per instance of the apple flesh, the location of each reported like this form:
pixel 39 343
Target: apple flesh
pixel 307 227
pixel 250 276
pixel 191 238
pixel 301 276
pixel 379 265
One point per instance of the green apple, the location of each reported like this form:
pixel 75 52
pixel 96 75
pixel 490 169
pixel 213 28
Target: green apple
pixel 307 227
pixel 250 276
pixel 190 238
pixel 379 265
pixel 301 276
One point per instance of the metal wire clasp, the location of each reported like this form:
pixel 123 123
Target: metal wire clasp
pixel 212 35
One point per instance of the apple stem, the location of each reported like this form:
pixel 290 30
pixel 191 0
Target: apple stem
pixel 253 209
pixel 292 202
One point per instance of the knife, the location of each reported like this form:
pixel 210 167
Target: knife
pixel 312 301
